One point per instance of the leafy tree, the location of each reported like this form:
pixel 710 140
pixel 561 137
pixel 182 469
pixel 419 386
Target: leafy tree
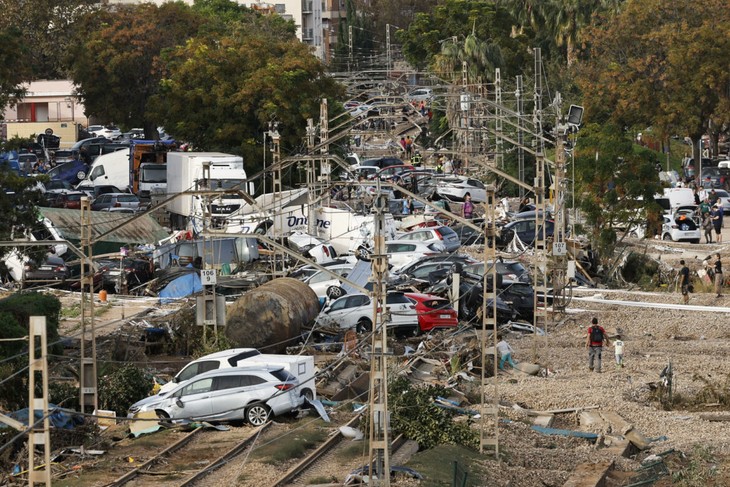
pixel 14 66
pixel 485 22
pixel 561 22
pixel 223 88
pixel 116 59
pixel 617 182
pixel 15 312
pixel 362 38
pixel 661 64
pixel 18 206
pixel 45 28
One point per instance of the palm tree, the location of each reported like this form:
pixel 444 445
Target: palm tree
pixel 482 58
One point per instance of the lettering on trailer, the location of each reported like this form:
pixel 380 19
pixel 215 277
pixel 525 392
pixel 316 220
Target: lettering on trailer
pixel 223 209
pixel 300 221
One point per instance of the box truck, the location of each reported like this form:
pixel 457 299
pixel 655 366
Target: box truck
pixel 185 172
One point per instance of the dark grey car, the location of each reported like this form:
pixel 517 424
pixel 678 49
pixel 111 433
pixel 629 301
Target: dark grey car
pixel 115 200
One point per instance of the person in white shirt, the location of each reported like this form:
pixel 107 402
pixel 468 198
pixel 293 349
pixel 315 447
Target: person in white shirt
pixel 505 353
pixel 618 349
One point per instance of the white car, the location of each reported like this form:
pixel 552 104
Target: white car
pixel 110 132
pixel 249 393
pixel 403 252
pixel 682 225
pixel 311 247
pixel 421 94
pixel 324 284
pixel 356 311
pixel 301 366
pixel 442 236
pixel 455 188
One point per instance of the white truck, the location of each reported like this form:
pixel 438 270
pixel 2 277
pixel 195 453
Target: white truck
pixel 185 172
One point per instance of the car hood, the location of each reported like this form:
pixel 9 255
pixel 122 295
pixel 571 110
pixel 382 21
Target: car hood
pixel 149 401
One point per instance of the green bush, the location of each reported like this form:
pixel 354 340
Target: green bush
pixel 15 313
pixel 123 387
pixel 21 306
pixel 414 414
pixel 640 269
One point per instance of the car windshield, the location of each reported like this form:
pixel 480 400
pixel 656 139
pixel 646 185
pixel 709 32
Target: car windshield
pixel 59 169
pixel 153 173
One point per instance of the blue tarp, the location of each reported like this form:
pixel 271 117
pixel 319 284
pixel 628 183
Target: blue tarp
pixel 60 418
pixel 181 287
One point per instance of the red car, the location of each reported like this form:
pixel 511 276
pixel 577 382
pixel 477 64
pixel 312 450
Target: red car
pixel 433 312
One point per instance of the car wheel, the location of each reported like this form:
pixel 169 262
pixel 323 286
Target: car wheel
pixel 364 325
pixel 257 414
pixel 81 175
pixel 162 415
pixel 667 237
pixel 334 292
pixel 308 394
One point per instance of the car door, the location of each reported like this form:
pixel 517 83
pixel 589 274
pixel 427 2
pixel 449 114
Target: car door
pixel 193 400
pixel 356 307
pixel 402 311
pixel 332 315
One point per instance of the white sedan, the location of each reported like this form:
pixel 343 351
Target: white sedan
pixel 356 311
pixel 455 188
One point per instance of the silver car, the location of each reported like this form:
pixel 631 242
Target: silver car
pixel 248 393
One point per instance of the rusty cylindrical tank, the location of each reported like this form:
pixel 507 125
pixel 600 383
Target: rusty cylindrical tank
pixel 268 316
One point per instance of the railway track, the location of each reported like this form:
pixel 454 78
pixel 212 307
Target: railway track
pixel 309 463
pixel 198 447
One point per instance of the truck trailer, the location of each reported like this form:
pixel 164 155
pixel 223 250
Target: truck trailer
pixel 197 171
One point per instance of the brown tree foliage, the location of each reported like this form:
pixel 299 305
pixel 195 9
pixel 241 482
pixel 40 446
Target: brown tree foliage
pixel 661 64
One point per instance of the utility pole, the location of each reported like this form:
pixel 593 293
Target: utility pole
pixel 349 45
pixel 311 177
pixel 206 304
pixel 263 177
pixel 39 434
pixel 499 156
pixel 379 456
pixel 276 193
pixel 489 412
pixel 520 135
pixel 88 397
pixel 387 48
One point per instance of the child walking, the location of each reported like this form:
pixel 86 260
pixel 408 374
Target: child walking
pixel 505 352
pixel 618 348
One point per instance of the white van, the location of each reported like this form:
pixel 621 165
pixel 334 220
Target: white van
pixel 674 198
pixel 300 366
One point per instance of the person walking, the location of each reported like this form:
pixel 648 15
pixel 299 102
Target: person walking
pixel 505 353
pixel 596 338
pixel 618 350
pixel 718 275
pixel 468 208
pixel 717 221
pixel 684 281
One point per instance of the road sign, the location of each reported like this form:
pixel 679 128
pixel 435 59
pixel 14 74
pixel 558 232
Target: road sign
pixel 208 277
pixel 559 248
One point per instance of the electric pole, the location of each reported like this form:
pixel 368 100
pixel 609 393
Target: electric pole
pixel 88 397
pixel 379 458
